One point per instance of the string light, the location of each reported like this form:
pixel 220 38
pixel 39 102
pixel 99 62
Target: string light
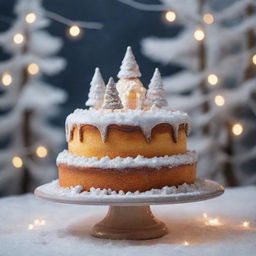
pixel 38 222
pixel 212 79
pixel 41 151
pixel 219 100
pixel 186 243
pixel 237 129
pixel 6 79
pixel 17 162
pixel 213 222
pixel 33 68
pixel 30 226
pixel 254 59
pixel 170 16
pixel 208 18
pixel 30 18
pixel 205 215
pixel 246 224
pixel 18 38
pixel 74 31
pixel 199 35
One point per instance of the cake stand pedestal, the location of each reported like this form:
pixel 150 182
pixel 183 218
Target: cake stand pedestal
pixel 129 216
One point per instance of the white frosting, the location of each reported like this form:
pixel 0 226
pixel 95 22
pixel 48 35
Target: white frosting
pixel 146 120
pixel 67 158
pixel 54 188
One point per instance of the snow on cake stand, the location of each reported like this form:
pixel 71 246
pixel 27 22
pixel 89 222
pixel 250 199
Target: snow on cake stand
pixel 129 215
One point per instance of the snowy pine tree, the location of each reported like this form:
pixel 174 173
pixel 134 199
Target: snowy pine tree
pixel 217 83
pixel 156 96
pixel 97 91
pixel 111 97
pixel 29 143
pixel 130 88
pixel 129 68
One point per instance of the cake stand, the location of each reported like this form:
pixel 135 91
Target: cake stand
pixel 129 216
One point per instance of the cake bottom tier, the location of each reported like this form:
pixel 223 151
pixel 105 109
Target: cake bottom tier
pixel 128 179
pixel 127 174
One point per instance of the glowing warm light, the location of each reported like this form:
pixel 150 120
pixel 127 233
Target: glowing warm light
pixel 33 68
pixel 237 129
pixel 205 215
pixel 208 18
pixel 41 151
pixel 246 224
pixel 42 223
pixel 6 79
pixel 213 222
pixel 74 31
pixel 17 162
pixel 212 79
pixel 254 59
pixel 30 18
pixel 18 38
pixel 186 243
pixel 219 100
pixel 38 222
pixel 199 35
pixel 30 226
pixel 170 16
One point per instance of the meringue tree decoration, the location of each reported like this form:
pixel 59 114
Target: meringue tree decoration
pixel 111 97
pixel 156 97
pixel 130 88
pixel 29 143
pixel 217 83
pixel 97 91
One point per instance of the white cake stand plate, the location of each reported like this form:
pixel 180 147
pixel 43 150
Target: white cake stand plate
pixel 129 216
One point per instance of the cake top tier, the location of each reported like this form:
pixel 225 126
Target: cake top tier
pixel 146 120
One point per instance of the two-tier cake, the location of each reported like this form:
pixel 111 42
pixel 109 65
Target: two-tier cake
pixel 129 139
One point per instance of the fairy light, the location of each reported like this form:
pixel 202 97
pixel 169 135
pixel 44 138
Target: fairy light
pixel 254 59
pixel 170 16
pixel 199 35
pixel 30 226
pixel 212 79
pixel 6 79
pixel 74 31
pixel 219 100
pixel 186 243
pixel 205 215
pixel 41 151
pixel 30 18
pixel 246 224
pixel 17 162
pixel 213 222
pixel 208 18
pixel 237 129
pixel 18 38
pixel 33 68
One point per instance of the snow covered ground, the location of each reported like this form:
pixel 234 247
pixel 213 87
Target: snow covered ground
pixel 59 229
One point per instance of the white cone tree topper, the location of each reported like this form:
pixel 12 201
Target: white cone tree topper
pixel 156 96
pixel 111 97
pixel 97 91
pixel 130 88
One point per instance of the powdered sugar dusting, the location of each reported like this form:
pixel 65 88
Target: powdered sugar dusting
pixel 54 188
pixel 67 158
pixel 147 120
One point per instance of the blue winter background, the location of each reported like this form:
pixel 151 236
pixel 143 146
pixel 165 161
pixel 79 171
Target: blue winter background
pixel 104 48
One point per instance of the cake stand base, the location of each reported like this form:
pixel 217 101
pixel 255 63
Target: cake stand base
pixel 129 216
pixel 129 222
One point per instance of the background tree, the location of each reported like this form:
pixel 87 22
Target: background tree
pixel 29 141
pixel 216 85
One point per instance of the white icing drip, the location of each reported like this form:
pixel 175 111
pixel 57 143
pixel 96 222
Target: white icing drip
pixel 67 158
pixel 146 120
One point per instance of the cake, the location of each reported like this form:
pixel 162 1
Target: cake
pixel 129 139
